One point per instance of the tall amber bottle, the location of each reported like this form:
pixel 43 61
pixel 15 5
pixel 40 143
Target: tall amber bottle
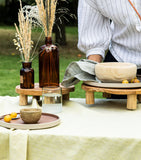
pixel 48 64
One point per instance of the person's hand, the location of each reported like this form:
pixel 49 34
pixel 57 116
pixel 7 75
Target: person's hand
pixel 95 57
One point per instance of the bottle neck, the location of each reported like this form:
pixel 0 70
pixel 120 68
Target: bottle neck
pixel 26 64
pixel 48 41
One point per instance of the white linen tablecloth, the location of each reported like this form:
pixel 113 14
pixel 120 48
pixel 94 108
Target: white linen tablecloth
pixel 103 131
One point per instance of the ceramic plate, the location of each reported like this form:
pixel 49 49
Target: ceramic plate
pixel 46 121
pixel 114 85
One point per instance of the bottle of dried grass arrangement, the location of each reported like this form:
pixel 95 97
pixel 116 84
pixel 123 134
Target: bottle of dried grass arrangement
pixel 48 64
pixel 27 76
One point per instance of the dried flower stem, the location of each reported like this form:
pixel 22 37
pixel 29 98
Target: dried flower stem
pixel 23 36
pixel 44 15
pixel 47 15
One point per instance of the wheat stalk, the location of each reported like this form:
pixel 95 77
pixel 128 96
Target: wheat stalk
pixel 44 15
pixel 23 36
pixel 47 15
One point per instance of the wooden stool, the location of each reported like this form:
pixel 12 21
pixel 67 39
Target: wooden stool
pixel 131 94
pixel 36 92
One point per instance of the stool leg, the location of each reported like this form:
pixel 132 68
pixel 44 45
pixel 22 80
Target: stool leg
pixel 139 98
pixel 132 101
pixel 23 100
pixel 66 96
pixel 89 97
pixel 37 97
pixel 106 95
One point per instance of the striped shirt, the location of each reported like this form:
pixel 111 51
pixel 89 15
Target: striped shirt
pixel 95 34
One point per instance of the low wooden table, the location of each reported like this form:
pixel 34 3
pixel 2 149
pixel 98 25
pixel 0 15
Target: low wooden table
pixel 131 94
pixel 36 92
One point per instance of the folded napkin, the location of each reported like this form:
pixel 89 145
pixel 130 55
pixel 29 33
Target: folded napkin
pixel 18 144
pixel 13 143
pixel 83 70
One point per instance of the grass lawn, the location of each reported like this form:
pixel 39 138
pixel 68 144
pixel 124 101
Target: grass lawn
pixel 10 62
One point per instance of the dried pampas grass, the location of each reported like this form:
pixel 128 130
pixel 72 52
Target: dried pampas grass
pixel 47 15
pixel 23 36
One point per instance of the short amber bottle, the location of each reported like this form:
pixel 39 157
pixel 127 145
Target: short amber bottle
pixel 48 64
pixel 26 76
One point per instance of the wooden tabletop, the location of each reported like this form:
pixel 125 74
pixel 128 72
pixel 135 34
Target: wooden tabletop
pixel 37 91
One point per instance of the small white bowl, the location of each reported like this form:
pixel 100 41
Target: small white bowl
pixel 113 72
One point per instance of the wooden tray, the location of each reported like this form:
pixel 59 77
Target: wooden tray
pixel 131 93
pixel 114 85
pixel 37 92
pixel 46 121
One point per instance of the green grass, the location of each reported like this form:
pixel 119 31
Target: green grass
pixel 2 2
pixel 10 62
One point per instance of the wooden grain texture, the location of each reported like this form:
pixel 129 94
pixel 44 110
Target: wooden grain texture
pixel 131 102
pixel 37 92
pixel 106 95
pixel 23 100
pixel 139 98
pixel 131 94
pixel 89 97
pixel 112 90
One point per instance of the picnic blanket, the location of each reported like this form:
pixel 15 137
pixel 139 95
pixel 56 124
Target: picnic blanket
pixel 82 70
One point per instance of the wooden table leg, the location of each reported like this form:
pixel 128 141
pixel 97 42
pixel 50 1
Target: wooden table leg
pixel 37 97
pixel 66 96
pixel 23 100
pixel 139 98
pixel 106 95
pixel 89 97
pixel 132 101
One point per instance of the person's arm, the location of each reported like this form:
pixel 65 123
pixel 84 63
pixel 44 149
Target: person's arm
pixel 95 57
pixel 94 32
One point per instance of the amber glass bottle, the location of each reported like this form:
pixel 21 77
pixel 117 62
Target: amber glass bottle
pixel 48 64
pixel 26 76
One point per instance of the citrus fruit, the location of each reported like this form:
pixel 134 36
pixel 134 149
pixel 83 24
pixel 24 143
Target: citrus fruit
pixel 132 80
pixel 136 80
pixel 7 118
pixel 125 81
pixel 13 115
